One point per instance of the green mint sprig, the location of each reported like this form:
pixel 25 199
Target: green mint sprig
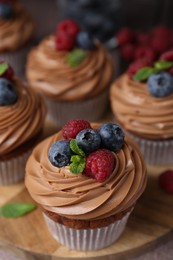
pixel 78 161
pixel 3 67
pixel 75 57
pixel 145 72
pixel 16 209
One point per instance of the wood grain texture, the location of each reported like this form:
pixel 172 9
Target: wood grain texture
pixel 28 237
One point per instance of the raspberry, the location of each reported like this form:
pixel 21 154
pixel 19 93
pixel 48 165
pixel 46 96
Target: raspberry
pixel 124 36
pixel 69 27
pixel 160 44
pixel 73 127
pixel 171 71
pixel 142 39
pixel 137 65
pixel 127 51
pixel 8 74
pixel 144 53
pixel 64 42
pixel 167 56
pixel 161 31
pixel 166 181
pixel 99 165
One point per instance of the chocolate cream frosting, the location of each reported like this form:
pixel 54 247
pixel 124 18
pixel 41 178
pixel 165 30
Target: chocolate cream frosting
pixel 21 121
pixel 79 197
pixel 139 112
pixel 16 31
pixel 49 72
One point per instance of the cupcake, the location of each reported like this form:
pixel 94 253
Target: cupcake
pixel 22 115
pixel 73 72
pixel 142 102
pixel 86 179
pixel 16 30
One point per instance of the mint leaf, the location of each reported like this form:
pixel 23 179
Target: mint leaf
pixel 14 210
pixel 162 64
pixel 75 148
pixel 3 67
pixel 78 164
pixel 144 73
pixel 75 58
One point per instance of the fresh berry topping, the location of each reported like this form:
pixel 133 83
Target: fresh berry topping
pixel 99 165
pixel 112 136
pixel 128 51
pixel 125 36
pixel 88 140
pixel 167 56
pixel 60 153
pixel 145 53
pixel 6 11
pixel 137 65
pixel 8 94
pixel 160 44
pixel 143 39
pixel 64 42
pixel 69 27
pixel 166 181
pixel 160 84
pixel 6 71
pixel 161 31
pixel 73 127
pixel 85 41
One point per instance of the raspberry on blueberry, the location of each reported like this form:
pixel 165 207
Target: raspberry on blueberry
pixel 64 42
pixel 69 27
pixel 99 165
pixel 73 127
pixel 166 181
pixel 8 93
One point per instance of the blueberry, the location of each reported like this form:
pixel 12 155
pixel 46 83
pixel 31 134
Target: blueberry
pixel 8 94
pixel 112 136
pixel 88 140
pixel 85 41
pixel 160 84
pixel 60 153
pixel 93 20
pixel 6 11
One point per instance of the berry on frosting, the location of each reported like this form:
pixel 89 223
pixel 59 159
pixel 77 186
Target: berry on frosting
pixel 167 56
pixel 69 27
pixel 60 153
pixel 112 136
pixel 73 127
pixel 85 41
pixel 160 84
pixel 99 165
pixel 88 140
pixel 135 66
pixel 64 42
pixel 8 94
pixel 6 71
pixel 166 181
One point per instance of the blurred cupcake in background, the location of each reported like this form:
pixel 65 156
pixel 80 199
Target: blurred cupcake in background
pixel 73 71
pixel 22 114
pixel 16 32
pixel 142 102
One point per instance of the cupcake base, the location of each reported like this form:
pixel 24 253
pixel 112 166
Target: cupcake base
pixel 87 239
pixel 59 112
pixel 13 170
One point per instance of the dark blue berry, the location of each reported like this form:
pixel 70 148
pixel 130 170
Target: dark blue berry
pixel 160 84
pixel 60 153
pixel 112 136
pixel 85 41
pixel 6 11
pixel 88 140
pixel 8 94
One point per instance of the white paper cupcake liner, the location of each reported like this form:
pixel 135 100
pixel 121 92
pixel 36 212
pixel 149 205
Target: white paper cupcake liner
pixel 159 153
pixel 13 171
pixel 59 112
pixel 87 239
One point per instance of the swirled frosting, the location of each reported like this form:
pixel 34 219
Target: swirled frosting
pixel 21 121
pixel 17 31
pixel 78 197
pixel 139 112
pixel 49 72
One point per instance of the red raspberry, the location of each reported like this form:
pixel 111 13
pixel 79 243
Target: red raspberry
pixel 161 31
pixel 167 56
pixel 73 127
pixel 160 44
pixel 64 42
pixel 125 35
pixel 99 165
pixel 166 181
pixel 144 53
pixel 143 39
pixel 128 51
pixel 8 74
pixel 137 65
pixel 69 27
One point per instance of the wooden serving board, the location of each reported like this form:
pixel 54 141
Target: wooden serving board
pixel 28 237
